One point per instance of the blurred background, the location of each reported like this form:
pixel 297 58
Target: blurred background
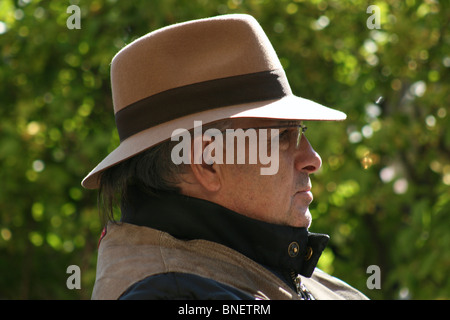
pixel 383 193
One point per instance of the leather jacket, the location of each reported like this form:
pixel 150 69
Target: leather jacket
pixel 285 257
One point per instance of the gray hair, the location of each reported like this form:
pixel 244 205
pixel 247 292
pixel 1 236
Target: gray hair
pixel 152 170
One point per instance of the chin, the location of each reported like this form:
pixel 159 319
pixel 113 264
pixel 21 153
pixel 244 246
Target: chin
pixel 303 220
pixel 298 218
pixel 308 220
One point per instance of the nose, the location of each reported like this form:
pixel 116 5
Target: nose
pixel 306 158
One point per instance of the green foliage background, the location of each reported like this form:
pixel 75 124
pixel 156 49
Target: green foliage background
pixel 382 193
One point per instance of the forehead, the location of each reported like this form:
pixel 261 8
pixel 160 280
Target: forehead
pixel 258 122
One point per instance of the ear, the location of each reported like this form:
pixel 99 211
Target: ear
pixel 207 175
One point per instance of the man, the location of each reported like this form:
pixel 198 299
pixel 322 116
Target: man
pixel 203 108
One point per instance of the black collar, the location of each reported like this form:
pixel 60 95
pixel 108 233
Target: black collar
pixel 280 248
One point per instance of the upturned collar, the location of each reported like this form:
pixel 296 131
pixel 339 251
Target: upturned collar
pixel 278 247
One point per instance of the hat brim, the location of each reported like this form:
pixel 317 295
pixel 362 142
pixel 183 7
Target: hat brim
pixel 287 108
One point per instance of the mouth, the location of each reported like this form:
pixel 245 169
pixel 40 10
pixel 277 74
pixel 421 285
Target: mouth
pixel 307 189
pixel 303 186
pixel 305 194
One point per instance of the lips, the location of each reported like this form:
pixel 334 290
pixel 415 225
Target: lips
pixel 308 189
pixel 306 196
pixel 303 185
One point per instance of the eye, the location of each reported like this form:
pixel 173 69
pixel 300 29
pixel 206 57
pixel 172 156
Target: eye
pixel 284 138
pixel 284 133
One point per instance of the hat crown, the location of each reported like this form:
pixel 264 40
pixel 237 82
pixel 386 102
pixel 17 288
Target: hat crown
pixel 188 53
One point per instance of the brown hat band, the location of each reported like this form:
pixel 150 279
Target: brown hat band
pixel 178 102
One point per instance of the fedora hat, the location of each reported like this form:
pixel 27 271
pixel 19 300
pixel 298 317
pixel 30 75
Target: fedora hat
pixel 205 70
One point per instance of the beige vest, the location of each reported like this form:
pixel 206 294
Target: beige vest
pixel 130 253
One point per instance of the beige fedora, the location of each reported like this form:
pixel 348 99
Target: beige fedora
pixel 206 70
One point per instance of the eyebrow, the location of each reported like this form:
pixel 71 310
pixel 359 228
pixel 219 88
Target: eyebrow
pixel 287 123
pixel 294 122
pixel 279 122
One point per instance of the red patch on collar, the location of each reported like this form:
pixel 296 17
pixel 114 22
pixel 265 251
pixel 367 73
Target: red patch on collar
pixel 101 237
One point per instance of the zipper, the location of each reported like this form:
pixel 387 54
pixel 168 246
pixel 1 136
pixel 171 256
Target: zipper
pixel 300 287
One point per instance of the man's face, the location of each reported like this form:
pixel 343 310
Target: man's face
pixel 281 198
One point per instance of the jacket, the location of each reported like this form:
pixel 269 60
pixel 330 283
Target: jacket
pixel 176 247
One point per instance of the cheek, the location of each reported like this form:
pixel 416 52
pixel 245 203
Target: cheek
pixel 273 193
pixel 281 187
pixel 268 195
